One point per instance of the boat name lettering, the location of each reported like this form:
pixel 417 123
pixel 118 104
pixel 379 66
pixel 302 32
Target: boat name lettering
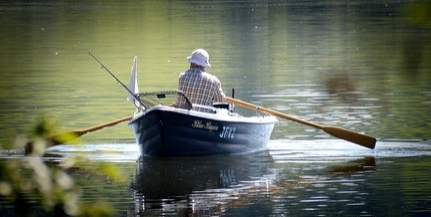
pixel 207 126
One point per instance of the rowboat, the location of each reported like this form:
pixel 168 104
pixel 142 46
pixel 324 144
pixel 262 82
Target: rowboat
pixel 168 131
pixel 163 130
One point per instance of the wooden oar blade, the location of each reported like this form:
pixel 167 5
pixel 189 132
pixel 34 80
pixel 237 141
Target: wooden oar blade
pixel 360 139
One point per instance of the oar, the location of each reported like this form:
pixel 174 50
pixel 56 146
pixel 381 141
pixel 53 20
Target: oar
pixel 360 139
pixel 71 135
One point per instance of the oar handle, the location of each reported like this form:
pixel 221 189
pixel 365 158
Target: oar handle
pixel 271 112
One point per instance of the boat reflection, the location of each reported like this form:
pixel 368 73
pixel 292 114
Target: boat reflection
pixel 198 184
pixel 213 185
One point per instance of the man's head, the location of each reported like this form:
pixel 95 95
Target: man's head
pixel 199 57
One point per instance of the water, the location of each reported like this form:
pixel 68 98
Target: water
pixel 294 177
pixel 364 66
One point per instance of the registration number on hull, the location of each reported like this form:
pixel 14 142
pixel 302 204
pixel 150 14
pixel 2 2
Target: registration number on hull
pixel 228 132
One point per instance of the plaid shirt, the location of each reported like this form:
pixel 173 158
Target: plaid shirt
pixel 200 87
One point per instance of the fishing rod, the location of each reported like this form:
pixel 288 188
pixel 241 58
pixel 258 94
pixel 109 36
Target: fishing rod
pixel 136 96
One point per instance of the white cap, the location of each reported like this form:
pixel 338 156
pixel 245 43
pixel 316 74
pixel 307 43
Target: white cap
pixel 199 57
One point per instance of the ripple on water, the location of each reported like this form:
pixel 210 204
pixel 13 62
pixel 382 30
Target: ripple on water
pixel 328 150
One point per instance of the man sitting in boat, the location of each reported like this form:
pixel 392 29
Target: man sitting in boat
pixel 199 86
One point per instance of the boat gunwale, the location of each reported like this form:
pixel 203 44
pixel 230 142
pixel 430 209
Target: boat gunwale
pixel 218 116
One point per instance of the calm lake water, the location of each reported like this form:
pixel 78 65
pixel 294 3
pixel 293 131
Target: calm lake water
pixel 364 66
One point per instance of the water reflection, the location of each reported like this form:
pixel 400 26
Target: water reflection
pixel 361 65
pixel 342 52
pixel 229 184
pixel 296 177
pixel 199 184
pixel 415 53
pixel 360 165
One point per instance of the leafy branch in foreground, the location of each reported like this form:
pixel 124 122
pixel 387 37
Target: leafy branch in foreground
pixel 31 184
